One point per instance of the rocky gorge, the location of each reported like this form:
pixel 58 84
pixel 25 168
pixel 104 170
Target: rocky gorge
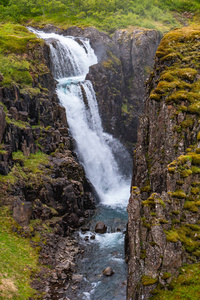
pixel 46 188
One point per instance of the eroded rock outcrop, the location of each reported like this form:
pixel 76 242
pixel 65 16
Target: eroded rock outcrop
pixel 163 226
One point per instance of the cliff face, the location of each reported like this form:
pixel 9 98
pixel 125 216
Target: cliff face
pixel 119 79
pixel 124 62
pixel 163 208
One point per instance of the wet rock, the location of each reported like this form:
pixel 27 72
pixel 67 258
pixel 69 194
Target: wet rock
pixel 85 228
pixel 100 227
pixel 22 212
pixel 77 278
pixel 92 237
pixel 108 271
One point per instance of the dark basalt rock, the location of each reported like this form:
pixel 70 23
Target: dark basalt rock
pixel 2 122
pixel 22 212
pixel 100 227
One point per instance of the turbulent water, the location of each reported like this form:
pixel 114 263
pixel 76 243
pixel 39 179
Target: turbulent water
pixel 102 157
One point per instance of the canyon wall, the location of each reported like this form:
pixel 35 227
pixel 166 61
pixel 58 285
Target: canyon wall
pixel 163 226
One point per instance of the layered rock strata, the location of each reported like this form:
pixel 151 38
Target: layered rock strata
pixel 164 222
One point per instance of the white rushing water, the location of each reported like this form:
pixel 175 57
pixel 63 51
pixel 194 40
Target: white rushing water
pixel 71 58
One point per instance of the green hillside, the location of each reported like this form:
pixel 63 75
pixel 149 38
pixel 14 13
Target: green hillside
pixel 107 15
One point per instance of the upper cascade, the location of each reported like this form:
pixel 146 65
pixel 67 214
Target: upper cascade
pixel 70 56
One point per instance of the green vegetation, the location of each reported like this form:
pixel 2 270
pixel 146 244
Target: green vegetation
pixel 147 280
pixel 186 286
pixel 25 168
pixel 17 65
pixel 18 261
pixel 179 194
pixel 105 15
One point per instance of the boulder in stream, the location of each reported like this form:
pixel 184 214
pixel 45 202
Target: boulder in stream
pixel 108 271
pixel 100 227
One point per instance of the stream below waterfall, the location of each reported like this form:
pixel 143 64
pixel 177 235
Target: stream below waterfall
pixel 107 165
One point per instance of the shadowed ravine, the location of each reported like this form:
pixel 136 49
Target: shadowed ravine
pixel 102 157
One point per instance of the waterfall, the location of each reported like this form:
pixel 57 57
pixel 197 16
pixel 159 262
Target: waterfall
pixel 71 58
pixel 106 162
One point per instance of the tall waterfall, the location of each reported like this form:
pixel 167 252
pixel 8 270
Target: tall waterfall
pixel 106 163
pixel 71 58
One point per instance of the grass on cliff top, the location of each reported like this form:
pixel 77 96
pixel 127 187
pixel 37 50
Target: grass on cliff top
pixel 15 65
pixel 105 15
pixel 18 261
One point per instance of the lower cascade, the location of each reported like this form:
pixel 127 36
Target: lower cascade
pixel 107 165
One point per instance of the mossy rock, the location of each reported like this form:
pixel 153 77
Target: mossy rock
pixel 179 194
pixel 147 280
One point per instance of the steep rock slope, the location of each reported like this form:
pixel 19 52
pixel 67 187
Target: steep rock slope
pixel 164 222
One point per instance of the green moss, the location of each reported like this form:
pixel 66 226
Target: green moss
pixel 143 254
pixel 195 170
pixel 26 168
pixel 166 275
pixel 175 212
pixel 153 244
pixel 198 136
pixel 146 188
pixel 147 280
pixel 18 123
pixel 182 159
pixel 175 221
pixel 179 194
pixel 195 191
pixel 194 108
pixel 171 170
pixel 191 205
pixel 172 236
pixel 163 221
pixel 186 173
pixel 187 123
pixel 196 159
